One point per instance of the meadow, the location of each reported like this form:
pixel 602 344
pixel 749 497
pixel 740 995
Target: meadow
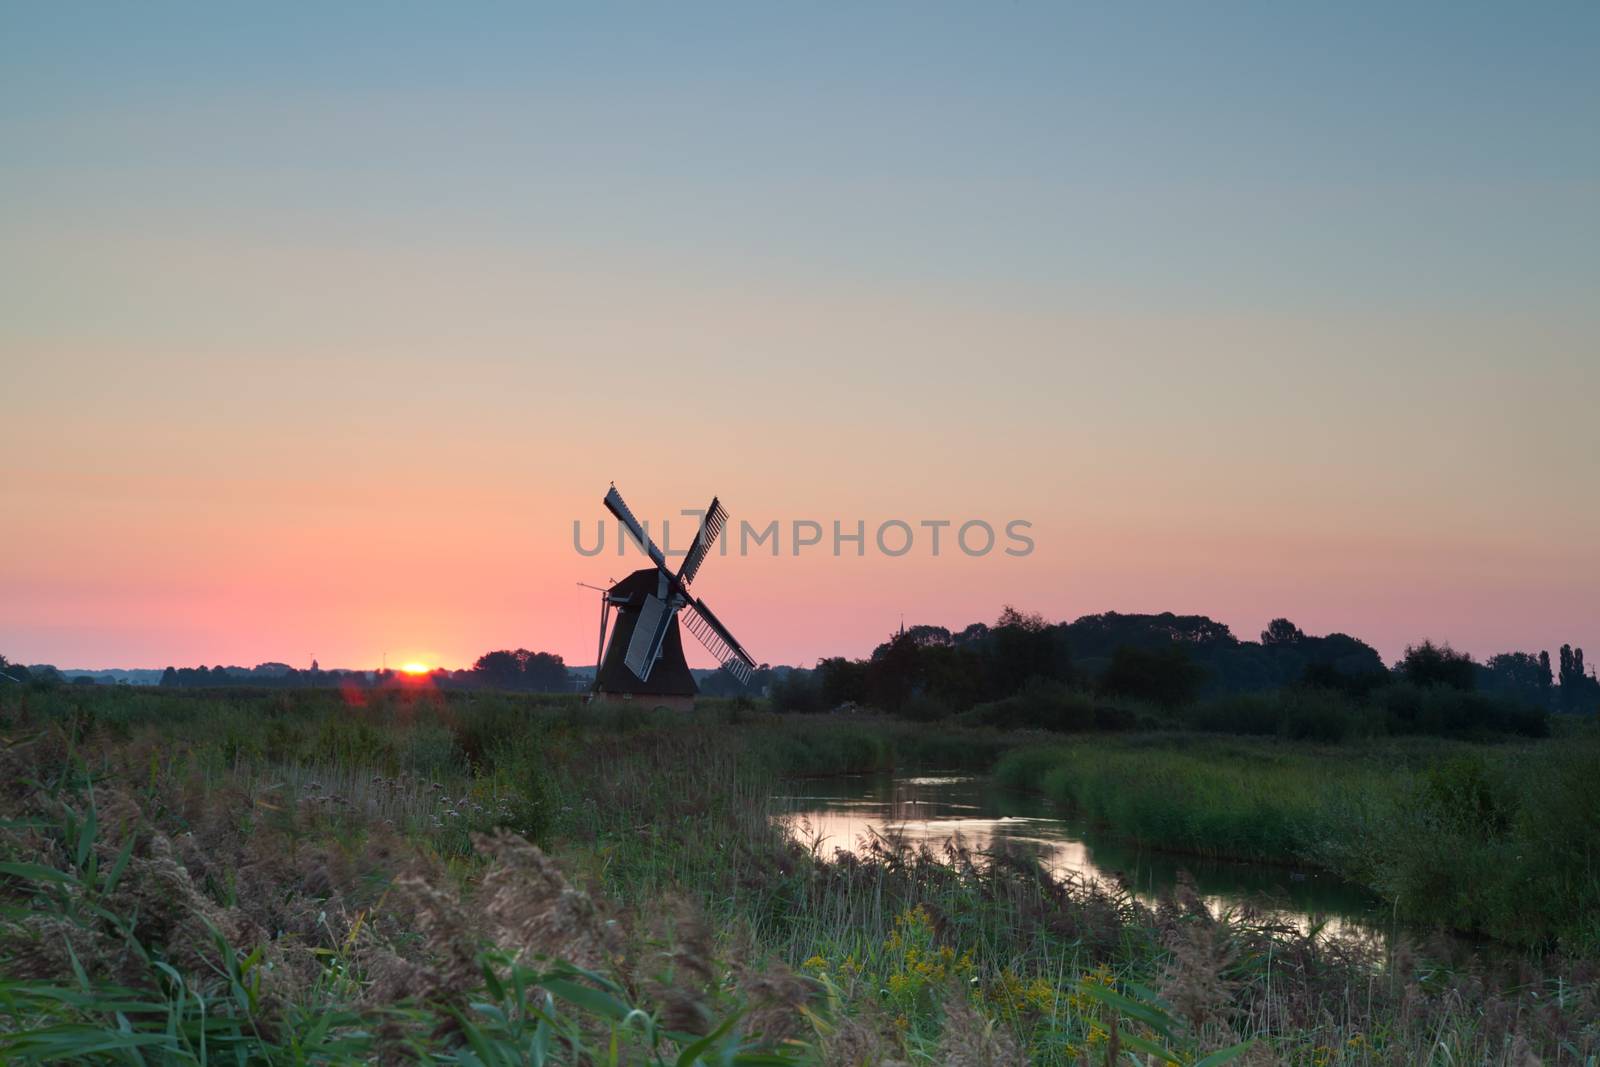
pixel 251 876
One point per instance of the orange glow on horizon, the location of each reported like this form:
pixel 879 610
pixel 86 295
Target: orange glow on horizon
pixel 415 668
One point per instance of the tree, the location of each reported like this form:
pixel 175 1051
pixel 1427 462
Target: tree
pixel 1521 675
pixel 42 672
pixel 545 672
pixel 972 635
pixel 520 669
pixel 1020 647
pixel 14 671
pixel 841 681
pixel 924 636
pixel 1580 691
pixel 1165 676
pixel 1282 632
pixel 891 674
pixel 498 670
pixel 1430 664
pixel 797 691
pixel 1012 618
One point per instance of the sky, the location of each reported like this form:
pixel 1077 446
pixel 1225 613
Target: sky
pixel 319 328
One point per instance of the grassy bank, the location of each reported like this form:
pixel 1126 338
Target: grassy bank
pixel 294 878
pixel 1499 840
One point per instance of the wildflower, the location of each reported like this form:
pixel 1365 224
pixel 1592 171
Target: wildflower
pixel 815 963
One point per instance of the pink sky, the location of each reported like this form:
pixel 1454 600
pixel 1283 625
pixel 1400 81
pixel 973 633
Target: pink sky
pixel 186 510
pixel 318 333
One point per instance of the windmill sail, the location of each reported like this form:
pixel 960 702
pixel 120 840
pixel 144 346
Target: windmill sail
pixel 718 641
pixel 710 530
pixel 624 515
pixel 648 633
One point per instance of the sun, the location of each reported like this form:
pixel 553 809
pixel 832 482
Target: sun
pixel 415 668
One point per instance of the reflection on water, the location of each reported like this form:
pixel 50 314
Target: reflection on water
pixel 841 813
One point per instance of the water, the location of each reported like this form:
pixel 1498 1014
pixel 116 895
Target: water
pixel 840 813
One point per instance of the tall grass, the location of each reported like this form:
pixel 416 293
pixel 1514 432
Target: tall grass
pixel 278 879
pixel 1503 840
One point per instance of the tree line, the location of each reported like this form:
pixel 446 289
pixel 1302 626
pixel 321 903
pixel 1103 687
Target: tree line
pixel 1114 670
pixel 1108 670
pixel 513 669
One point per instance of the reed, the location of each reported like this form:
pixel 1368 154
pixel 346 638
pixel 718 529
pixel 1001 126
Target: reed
pixel 280 880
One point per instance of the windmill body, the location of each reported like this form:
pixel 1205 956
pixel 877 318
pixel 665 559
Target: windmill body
pixel 643 659
pixel 670 682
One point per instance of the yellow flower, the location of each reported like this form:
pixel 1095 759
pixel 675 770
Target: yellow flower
pixel 815 963
pixel 901 1023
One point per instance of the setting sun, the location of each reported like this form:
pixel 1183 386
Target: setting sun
pixel 415 668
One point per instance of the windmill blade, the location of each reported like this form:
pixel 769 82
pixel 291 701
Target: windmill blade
pixel 704 538
pixel 616 506
pixel 718 641
pixel 655 617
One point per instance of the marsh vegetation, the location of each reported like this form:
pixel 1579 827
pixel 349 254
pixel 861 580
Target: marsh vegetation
pixel 264 876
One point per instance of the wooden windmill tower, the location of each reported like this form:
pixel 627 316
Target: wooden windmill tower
pixel 644 658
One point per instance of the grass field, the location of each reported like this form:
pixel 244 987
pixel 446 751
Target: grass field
pixel 290 877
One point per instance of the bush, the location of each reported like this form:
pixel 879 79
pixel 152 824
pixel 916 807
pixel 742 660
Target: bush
pixel 798 691
pixel 519 790
pixel 1322 715
pixel 843 749
pixel 1043 705
pixel 1166 676
pixel 1443 711
pixel 1429 664
pixel 925 707
pixel 1311 713
pixel 1238 713
pixel 430 750
pixel 481 723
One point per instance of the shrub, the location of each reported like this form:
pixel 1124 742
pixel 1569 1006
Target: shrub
pixel 1442 711
pixel 1321 715
pixel 798 691
pixel 1166 676
pixel 1237 713
pixel 430 750
pixel 519 790
pixel 924 707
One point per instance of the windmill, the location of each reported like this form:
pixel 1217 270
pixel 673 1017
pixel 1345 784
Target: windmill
pixel 644 659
